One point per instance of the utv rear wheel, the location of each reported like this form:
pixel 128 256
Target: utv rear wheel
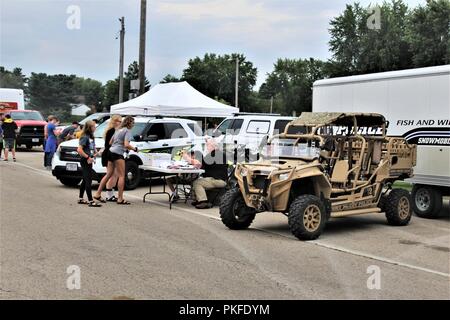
pixel 427 201
pixel 398 207
pixel 307 217
pixel 235 214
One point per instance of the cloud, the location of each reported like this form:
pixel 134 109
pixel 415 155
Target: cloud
pixel 222 9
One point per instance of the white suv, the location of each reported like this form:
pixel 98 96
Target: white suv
pixel 150 134
pixel 247 131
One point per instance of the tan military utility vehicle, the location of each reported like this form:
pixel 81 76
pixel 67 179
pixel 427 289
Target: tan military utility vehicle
pixel 342 164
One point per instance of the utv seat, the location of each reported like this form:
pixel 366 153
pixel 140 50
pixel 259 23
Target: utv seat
pixel 340 172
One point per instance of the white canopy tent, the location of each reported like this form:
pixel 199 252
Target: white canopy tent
pixel 174 99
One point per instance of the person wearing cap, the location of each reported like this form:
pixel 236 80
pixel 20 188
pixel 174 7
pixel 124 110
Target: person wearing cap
pixel 215 176
pixel 9 128
pixel 69 132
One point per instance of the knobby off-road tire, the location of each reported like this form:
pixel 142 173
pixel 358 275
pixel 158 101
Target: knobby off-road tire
pixel 382 202
pixel 235 214
pixel 426 201
pixel 307 217
pixel 398 207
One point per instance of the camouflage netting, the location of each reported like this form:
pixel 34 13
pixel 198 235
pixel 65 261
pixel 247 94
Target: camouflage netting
pixel 313 119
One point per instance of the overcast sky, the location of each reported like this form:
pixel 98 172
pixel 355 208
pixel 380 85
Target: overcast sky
pixel 34 33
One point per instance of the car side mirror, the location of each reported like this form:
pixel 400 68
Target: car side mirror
pixel 151 138
pixel 137 138
pixel 387 124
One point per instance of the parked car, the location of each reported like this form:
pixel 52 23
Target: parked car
pixel 247 131
pixel 31 126
pixel 150 135
pixel 100 118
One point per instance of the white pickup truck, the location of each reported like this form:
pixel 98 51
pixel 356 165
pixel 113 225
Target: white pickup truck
pixel 155 135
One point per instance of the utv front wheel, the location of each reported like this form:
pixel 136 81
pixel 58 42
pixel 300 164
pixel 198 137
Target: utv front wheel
pixel 398 207
pixel 235 214
pixel 307 217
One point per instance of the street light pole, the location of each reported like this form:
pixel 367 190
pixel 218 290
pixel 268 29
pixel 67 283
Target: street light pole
pixel 236 98
pixel 122 38
pixel 142 47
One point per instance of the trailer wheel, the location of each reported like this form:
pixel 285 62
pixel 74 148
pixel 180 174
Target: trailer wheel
pixel 427 201
pixel 234 212
pixel 307 217
pixel 398 207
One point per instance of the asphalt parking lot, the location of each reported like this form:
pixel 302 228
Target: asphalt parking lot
pixel 146 251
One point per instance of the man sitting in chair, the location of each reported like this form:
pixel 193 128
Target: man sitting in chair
pixel 216 173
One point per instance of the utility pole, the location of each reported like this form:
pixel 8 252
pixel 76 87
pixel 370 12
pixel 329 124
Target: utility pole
pixel 122 38
pixel 142 47
pixel 236 98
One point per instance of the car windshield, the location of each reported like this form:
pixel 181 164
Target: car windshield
pixel 195 128
pixel 33 115
pixel 290 148
pixel 137 129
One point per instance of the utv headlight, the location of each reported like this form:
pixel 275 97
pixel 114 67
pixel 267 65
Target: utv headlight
pixel 283 176
pixel 243 172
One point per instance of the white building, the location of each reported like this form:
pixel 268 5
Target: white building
pixel 80 109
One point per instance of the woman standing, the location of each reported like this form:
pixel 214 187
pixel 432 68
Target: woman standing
pixel 110 179
pixel 121 145
pixel 51 143
pixel 87 151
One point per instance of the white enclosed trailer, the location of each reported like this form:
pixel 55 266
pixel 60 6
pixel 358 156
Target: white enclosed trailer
pixel 416 103
pixel 11 99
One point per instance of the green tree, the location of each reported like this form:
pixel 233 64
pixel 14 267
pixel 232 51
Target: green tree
pixel 12 79
pixel 52 93
pixel 384 49
pixel 214 75
pixel 345 39
pixel 358 49
pixel 90 90
pixel 110 93
pixel 428 34
pixel 170 78
pixel 290 84
pixel 111 89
